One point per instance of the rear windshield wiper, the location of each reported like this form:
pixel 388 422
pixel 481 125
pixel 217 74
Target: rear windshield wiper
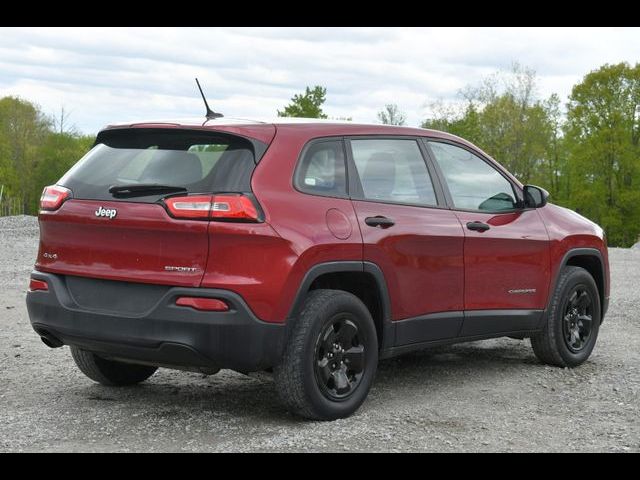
pixel 141 189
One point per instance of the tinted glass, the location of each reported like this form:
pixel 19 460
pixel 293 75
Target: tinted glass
pixel 393 170
pixel 472 182
pixel 201 162
pixel 322 170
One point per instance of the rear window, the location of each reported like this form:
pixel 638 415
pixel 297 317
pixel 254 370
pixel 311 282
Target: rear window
pixel 200 162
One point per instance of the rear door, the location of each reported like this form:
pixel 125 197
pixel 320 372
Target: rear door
pixel 130 234
pixel 506 247
pixel 416 242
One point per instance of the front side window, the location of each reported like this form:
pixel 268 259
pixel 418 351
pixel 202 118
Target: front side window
pixel 322 170
pixel 393 171
pixel 473 183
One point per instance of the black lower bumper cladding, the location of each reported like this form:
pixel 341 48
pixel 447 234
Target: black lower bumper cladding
pixel 164 334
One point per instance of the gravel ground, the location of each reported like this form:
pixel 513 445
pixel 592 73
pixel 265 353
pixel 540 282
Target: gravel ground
pixel 482 396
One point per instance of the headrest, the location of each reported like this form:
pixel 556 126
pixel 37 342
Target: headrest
pixel 379 177
pixel 173 167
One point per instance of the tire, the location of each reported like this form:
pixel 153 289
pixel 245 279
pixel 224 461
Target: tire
pixel 110 372
pixel 556 344
pixel 309 380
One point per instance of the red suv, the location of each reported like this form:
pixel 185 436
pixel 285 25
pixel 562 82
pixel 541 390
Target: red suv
pixel 308 248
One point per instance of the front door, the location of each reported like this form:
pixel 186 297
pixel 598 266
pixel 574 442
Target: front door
pixel 416 242
pixel 506 247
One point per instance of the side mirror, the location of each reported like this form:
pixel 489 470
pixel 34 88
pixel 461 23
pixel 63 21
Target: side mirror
pixel 535 197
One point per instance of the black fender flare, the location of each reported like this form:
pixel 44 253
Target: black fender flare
pixel 388 332
pixel 575 252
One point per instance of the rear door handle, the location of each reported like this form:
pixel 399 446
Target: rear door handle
pixel 478 226
pixel 379 221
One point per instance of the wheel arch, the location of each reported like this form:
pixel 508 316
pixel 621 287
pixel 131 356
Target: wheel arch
pixel 591 260
pixel 363 279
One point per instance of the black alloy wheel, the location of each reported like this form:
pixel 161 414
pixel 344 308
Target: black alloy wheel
pixel 578 318
pixel 330 356
pixel 572 321
pixel 340 358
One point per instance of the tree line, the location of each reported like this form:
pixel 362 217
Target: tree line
pixel 585 151
pixel 35 151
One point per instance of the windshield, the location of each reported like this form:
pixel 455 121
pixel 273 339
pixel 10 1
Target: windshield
pixel 198 162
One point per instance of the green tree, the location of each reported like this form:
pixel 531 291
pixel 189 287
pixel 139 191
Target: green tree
pixel 447 118
pixel 34 151
pixel 58 154
pixel 391 115
pixel 23 129
pixel 603 135
pixel 308 105
pixel 503 117
pixel 556 179
pixel 589 160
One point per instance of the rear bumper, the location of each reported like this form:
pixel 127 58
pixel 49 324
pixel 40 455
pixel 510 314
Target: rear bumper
pixel 165 334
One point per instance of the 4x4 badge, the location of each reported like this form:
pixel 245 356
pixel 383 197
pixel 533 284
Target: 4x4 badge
pixel 106 212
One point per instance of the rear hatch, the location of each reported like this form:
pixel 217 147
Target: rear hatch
pixel 136 207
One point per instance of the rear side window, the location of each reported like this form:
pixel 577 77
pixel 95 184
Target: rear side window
pixel 200 162
pixel 322 170
pixel 393 170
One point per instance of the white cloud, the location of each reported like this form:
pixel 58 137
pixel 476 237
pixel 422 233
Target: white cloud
pixel 106 75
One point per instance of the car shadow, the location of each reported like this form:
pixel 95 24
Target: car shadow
pixel 172 394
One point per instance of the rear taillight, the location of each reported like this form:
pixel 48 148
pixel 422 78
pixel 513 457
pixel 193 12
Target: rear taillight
pixel 236 207
pixel 35 285
pixel 233 206
pixel 195 206
pixel 53 197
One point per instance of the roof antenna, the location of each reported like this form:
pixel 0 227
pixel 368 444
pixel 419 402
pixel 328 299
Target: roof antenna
pixel 210 113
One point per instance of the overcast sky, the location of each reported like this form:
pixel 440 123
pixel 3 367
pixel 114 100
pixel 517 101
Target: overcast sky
pixel 106 75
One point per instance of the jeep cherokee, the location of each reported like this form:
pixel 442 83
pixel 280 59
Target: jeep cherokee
pixel 309 248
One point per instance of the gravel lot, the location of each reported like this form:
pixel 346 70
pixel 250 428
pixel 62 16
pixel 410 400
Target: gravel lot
pixel 481 396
